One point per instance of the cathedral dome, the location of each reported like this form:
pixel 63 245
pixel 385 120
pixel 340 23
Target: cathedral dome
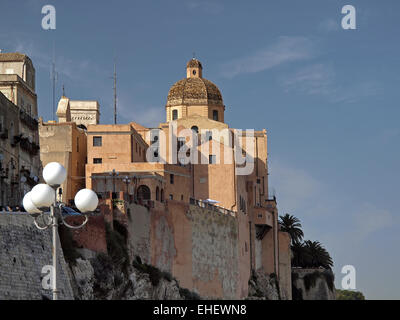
pixel 194 89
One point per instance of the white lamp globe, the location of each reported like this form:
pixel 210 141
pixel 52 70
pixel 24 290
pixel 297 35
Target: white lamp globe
pixel 42 195
pixel 54 174
pixel 29 206
pixel 86 200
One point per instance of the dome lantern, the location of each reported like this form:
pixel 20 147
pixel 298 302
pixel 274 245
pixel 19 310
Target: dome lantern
pixel 194 69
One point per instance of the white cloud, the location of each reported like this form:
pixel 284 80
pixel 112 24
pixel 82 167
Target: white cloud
pixel 285 50
pixel 313 79
pixel 320 79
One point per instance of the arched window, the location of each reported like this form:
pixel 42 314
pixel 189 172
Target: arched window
pixel 143 193
pixel 215 115
pixel 157 193
pixel 162 195
pixel 195 129
pixel 174 114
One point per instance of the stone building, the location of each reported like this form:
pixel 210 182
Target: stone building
pixel 65 141
pixel 195 160
pixel 19 141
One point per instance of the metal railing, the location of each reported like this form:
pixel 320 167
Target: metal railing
pixel 212 207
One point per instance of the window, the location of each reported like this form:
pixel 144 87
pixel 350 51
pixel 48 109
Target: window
pixel 157 193
pixel 215 115
pixel 171 178
pixel 97 141
pixel 97 160
pixel 212 159
pixel 171 197
pixel 181 197
pixel 195 129
pixel 209 135
pixel 174 114
pixel 194 72
pixel 162 195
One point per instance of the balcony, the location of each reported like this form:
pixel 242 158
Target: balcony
pixel 26 119
pixel 262 217
pixel 30 147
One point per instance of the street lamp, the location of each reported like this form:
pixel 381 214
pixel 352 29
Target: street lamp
pixel 43 196
pixel 127 180
pixel 113 174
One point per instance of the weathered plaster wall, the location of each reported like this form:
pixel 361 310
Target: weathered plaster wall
pixel 285 269
pixel 214 253
pixel 24 250
pixel 197 246
pixel 139 231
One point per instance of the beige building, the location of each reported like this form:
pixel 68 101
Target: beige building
pixel 146 164
pixel 19 142
pixel 65 142
pixel 78 111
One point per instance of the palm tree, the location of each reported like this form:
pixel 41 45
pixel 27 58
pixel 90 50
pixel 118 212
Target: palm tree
pixel 291 225
pixel 300 255
pixel 318 255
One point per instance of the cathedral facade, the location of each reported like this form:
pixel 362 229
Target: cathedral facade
pixel 195 159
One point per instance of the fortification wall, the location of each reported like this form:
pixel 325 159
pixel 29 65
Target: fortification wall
pixel 196 245
pixel 24 250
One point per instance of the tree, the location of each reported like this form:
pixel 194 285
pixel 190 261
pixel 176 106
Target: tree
pixel 291 225
pixel 349 295
pixel 318 255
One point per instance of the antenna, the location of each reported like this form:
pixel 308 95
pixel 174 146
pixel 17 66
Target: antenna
pixel 54 79
pixel 115 92
pixel 63 91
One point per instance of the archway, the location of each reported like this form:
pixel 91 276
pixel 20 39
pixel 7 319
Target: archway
pixel 143 193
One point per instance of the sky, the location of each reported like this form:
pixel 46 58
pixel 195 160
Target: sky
pixel 328 97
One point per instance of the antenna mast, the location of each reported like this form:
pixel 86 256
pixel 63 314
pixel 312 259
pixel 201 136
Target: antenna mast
pixel 54 79
pixel 115 93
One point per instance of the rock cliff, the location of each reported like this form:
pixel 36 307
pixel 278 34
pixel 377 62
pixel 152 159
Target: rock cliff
pixel 313 284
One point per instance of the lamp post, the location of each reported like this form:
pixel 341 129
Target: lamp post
pixel 127 180
pixel 113 174
pixel 43 196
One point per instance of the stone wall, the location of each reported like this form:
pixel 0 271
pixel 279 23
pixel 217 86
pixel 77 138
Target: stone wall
pixel 24 250
pixel 92 236
pixel 196 245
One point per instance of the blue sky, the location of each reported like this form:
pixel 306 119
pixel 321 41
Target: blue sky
pixel 327 96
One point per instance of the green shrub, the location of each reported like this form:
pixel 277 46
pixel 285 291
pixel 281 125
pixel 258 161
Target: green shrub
pixel 349 295
pixel 116 247
pixel 154 273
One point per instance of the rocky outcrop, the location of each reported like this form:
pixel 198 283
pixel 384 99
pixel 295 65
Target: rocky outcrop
pixel 100 278
pixel 264 287
pixel 313 284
